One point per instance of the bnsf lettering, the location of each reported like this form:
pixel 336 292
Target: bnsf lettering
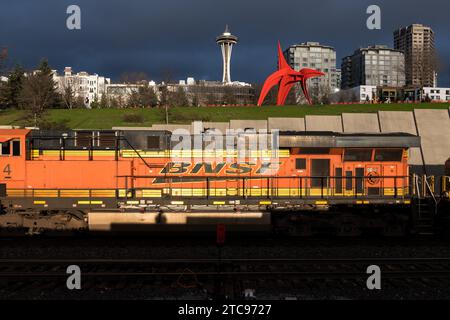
pixel 208 167
pixel 240 168
pixel 176 168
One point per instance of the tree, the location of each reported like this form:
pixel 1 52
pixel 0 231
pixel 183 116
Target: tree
pixel 38 92
pixel 228 97
pixel 143 97
pixel 195 100
pixel 103 101
pixel 147 96
pixel 95 104
pixel 164 96
pixel 68 95
pixel 211 99
pixel 3 60
pixel 79 103
pixel 113 103
pixel 133 99
pixel 10 92
pixel 178 98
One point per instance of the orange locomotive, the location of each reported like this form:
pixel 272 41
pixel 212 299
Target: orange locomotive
pixel 84 171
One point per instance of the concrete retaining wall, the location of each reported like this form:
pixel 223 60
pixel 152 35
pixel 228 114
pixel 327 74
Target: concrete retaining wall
pixel 286 124
pixel 323 123
pixel 360 123
pixel 434 129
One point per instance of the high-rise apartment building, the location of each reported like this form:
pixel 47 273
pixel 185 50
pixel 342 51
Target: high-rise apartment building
pixel 319 57
pixel 373 66
pixel 417 43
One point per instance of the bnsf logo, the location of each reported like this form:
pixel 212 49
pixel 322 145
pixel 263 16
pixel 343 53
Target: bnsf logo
pixel 220 167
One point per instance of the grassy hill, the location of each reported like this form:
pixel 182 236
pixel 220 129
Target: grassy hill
pixel 107 118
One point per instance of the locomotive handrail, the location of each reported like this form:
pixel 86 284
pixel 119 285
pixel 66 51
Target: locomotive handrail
pixel 137 152
pixel 168 176
pixel 304 187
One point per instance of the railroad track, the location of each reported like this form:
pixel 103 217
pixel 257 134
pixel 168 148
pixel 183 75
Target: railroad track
pixel 304 268
pixel 221 277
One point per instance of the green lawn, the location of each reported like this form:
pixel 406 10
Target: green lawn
pixel 106 118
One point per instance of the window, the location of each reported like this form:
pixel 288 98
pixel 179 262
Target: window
pixel 153 142
pixel 357 154
pixel 320 171
pixel 338 180
pixel 5 147
pixel 83 139
pixel 16 148
pixel 107 139
pixel 388 154
pixel 300 163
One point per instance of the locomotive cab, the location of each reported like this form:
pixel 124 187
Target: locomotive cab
pixel 12 157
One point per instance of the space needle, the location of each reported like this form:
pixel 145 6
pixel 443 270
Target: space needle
pixel 226 41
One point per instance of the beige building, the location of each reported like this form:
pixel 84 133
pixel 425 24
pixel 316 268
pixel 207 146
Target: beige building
pixel 374 66
pixel 315 56
pixel 88 86
pixel 417 43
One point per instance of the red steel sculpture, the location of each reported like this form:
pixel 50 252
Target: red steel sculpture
pixel 286 77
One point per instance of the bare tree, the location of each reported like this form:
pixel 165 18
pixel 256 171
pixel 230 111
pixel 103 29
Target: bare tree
pixel 229 97
pixel 68 95
pixel 3 60
pixel 167 76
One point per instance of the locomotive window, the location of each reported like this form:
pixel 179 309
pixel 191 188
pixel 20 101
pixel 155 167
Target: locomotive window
pixel 300 163
pixel 153 142
pixel 314 151
pixel 320 170
pixel 338 178
pixel 84 138
pixel 107 139
pixel 357 154
pixel 16 148
pixel 6 148
pixel 348 181
pixel 388 154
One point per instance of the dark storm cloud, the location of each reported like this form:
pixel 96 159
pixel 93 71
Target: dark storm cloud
pixel 156 36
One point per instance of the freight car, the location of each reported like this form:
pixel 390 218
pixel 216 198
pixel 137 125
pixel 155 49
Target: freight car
pixel 113 180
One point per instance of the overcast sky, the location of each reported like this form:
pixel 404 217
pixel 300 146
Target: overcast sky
pixel 154 36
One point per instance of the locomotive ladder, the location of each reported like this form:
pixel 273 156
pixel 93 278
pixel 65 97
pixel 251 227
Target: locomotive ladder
pixel 425 204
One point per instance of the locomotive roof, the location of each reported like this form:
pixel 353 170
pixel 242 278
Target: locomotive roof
pixel 325 139
pixel 348 140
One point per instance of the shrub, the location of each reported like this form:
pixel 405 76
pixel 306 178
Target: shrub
pixel 133 118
